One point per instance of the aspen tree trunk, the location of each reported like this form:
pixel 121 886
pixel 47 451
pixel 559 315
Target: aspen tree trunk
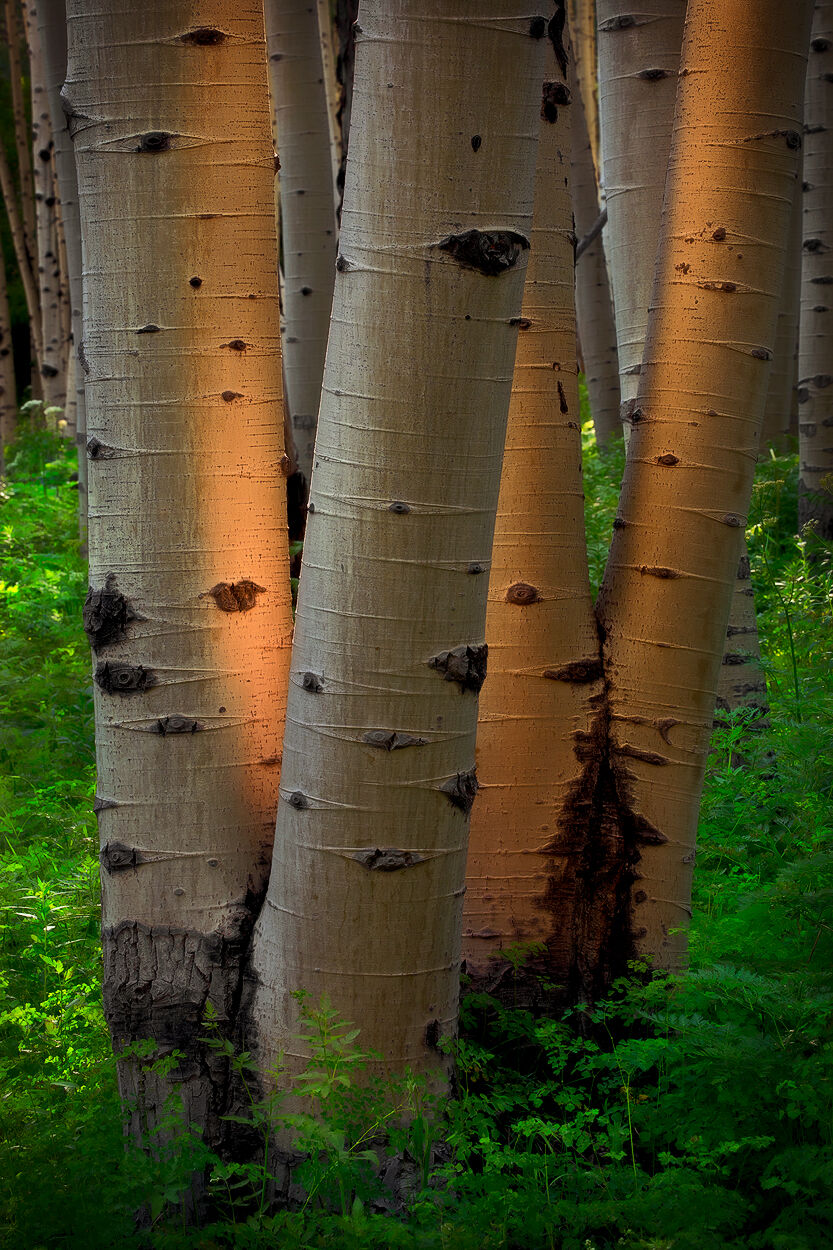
pixel 545 674
pixel 815 384
pixel 307 198
pixel 27 275
pixel 781 412
pixel 346 13
pixel 188 612
pixel 594 312
pixel 22 131
pixel 326 38
pixel 741 681
pixel 8 389
pixel 53 360
pixel 581 16
pixel 365 896
pixel 665 597
pixel 639 56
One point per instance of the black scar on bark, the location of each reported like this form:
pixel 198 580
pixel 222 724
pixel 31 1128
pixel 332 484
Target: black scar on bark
pixel 555 33
pixel 654 570
pixel 814 245
pixel 803 395
pixel 475 567
pixel 82 357
pixel 312 682
pixel 554 96
pixel 636 753
pixel 432 1035
pixel 538 27
pixel 106 614
pixel 49 371
pixel 719 234
pixel 820 44
pixel 652 75
pixel 823 380
pixel 343 265
pixel 387 859
pixel 465 665
pixel 522 594
pixel 732 658
pixel 176 724
pixel 761 353
pixel 476 141
pixel 669 458
pixel 562 399
pixel 826 280
pixel 392 740
pixel 204 37
pixel 298 800
pixel 578 671
pixel 399 507
pixel 235 596
pixel 623 22
pixel 117 857
pixel 150 328
pixel 103 805
pixel 461 790
pixel 195 282
pixel 744 567
pixel 155 141
pixel 237 345
pixel 230 396
pixel 732 519
pixel 115 678
pixel 490 252
pixel 523 323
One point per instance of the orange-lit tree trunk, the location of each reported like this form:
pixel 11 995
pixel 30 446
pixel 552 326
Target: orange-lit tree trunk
pixel 366 891
pixel 581 16
pixel 307 199
pixel 594 311
pixel 665 598
pixel 545 676
pixel 815 368
pixel 188 611
pixel 639 56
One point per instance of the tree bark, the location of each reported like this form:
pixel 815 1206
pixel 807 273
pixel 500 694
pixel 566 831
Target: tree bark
pixel 366 891
pixel 55 347
pixel 8 389
pixel 639 56
pixel 581 15
pixel 594 312
pixel 308 220
pixel 24 265
pixel 665 597
pixel 815 384
pixel 22 132
pixel 545 675
pixel 741 681
pixel 781 414
pixel 189 611
pixel 53 32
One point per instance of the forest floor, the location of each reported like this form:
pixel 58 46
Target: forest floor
pixel 692 1113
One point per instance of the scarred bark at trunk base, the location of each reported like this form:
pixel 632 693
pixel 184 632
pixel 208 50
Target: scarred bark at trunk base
pixel 162 982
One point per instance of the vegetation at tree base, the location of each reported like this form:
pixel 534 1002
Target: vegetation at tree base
pixel 684 1112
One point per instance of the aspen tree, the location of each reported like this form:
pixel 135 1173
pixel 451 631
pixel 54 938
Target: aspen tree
pixel 307 197
pixel 594 311
pixel 639 56
pixel 8 391
pixel 52 28
pixel 665 597
pixel 581 15
pixel 781 412
pixel 741 681
pixel 544 666
pixel 188 611
pixel 54 356
pixel 22 130
pixel 366 891
pixel 815 383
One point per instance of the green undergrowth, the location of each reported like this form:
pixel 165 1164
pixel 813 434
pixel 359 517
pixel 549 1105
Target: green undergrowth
pixel 693 1113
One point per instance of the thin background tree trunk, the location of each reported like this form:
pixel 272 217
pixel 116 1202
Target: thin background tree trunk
pixel 639 56
pixel 781 414
pixel 189 611
pixel 307 199
pixel 815 384
pixel 594 310
pixel 8 391
pixel 366 891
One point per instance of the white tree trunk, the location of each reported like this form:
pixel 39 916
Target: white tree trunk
pixel 365 896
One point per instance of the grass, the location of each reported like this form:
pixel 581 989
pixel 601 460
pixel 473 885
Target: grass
pixel 681 1114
